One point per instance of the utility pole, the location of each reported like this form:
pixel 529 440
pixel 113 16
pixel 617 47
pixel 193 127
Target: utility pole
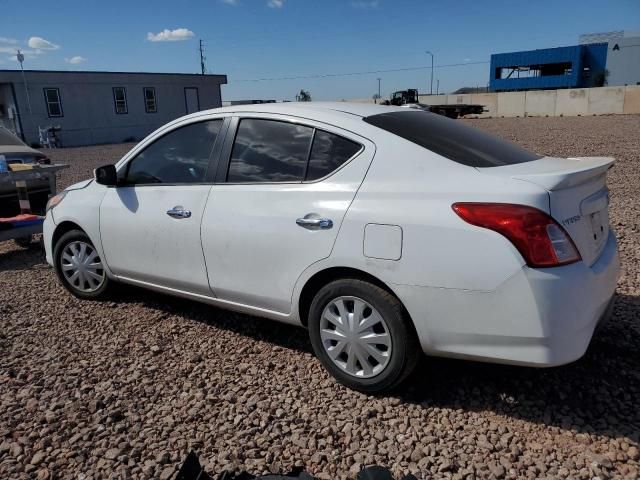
pixel 20 58
pixel 431 90
pixel 202 58
pixel 437 86
pixel 379 89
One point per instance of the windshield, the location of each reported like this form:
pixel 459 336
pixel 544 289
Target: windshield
pixel 451 139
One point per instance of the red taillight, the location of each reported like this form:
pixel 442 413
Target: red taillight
pixel 537 236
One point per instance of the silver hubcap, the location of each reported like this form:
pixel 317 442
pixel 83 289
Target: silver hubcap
pixel 355 336
pixel 82 267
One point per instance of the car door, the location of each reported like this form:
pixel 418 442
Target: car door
pixel 150 223
pixel 282 191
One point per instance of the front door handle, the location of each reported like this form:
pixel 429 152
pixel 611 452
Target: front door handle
pixel 179 212
pixel 313 221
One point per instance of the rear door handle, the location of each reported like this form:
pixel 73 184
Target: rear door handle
pixel 179 212
pixel 312 221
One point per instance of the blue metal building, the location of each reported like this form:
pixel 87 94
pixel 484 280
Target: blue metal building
pixel 577 66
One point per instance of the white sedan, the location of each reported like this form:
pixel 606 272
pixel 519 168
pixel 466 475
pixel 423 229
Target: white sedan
pixel 385 231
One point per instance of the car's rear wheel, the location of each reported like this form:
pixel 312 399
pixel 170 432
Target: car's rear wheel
pixel 79 266
pixel 362 335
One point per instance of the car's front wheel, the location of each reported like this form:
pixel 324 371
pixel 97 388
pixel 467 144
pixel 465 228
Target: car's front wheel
pixel 79 266
pixel 362 335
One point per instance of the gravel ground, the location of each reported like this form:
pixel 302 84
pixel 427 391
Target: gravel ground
pixel 126 388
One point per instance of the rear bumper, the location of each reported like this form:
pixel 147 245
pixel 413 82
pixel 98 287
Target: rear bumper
pixel 538 317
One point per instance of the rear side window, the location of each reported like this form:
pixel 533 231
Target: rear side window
pixel 451 139
pixel 328 153
pixel 269 151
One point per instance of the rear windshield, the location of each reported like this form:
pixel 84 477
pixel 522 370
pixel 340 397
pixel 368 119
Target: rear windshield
pixel 7 138
pixel 451 139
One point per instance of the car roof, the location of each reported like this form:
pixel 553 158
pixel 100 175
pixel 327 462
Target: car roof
pixel 311 109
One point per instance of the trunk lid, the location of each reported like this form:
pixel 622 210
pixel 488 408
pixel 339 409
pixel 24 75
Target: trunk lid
pixel 578 196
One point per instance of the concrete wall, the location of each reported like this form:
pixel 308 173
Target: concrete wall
pixel 548 103
pixel 540 103
pixel 564 102
pixel 490 102
pixel 511 104
pixel 89 115
pixel 631 100
pixel 606 100
pixel 458 99
pixel 572 102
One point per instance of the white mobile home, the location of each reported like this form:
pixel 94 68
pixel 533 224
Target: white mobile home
pixel 100 107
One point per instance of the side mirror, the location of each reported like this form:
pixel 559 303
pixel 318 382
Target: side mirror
pixel 106 175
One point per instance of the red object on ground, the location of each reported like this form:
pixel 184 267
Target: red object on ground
pixel 24 217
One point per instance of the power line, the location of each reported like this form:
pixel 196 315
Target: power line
pixel 370 72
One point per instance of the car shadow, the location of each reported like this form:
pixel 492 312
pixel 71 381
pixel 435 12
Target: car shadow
pixel 261 329
pixel 19 258
pixel 593 395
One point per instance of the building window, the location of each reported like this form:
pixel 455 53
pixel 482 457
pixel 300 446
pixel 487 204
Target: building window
pixel 52 99
pixel 150 100
pixel 120 99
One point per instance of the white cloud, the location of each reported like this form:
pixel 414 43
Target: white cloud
pixel 230 2
pixel 75 60
pixel 275 3
pixel 365 4
pixel 167 35
pixel 40 43
pixel 11 41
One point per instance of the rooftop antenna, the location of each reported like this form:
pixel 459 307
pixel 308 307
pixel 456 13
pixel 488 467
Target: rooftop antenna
pixel 20 58
pixel 202 58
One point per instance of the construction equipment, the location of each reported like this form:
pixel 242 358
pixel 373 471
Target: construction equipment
pixel 24 191
pixel 409 98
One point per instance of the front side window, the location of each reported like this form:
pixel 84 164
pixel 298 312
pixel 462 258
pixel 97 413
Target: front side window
pixel 269 151
pixel 451 139
pixel 329 152
pixel 54 104
pixel 150 100
pixel 120 99
pixel 180 156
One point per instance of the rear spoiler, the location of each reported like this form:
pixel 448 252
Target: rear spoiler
pixel 555 173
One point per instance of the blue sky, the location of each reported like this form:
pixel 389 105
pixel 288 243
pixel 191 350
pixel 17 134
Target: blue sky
pixel 257 39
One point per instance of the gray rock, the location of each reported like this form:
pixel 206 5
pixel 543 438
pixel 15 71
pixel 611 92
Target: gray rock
pixel 38 458
pixel 112 453
pixel 167 473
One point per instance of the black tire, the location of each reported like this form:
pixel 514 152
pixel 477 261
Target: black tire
pixel 58 249
pixel 405 351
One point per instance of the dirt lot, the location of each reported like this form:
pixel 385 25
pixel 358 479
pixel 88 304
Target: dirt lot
pixel 127 388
